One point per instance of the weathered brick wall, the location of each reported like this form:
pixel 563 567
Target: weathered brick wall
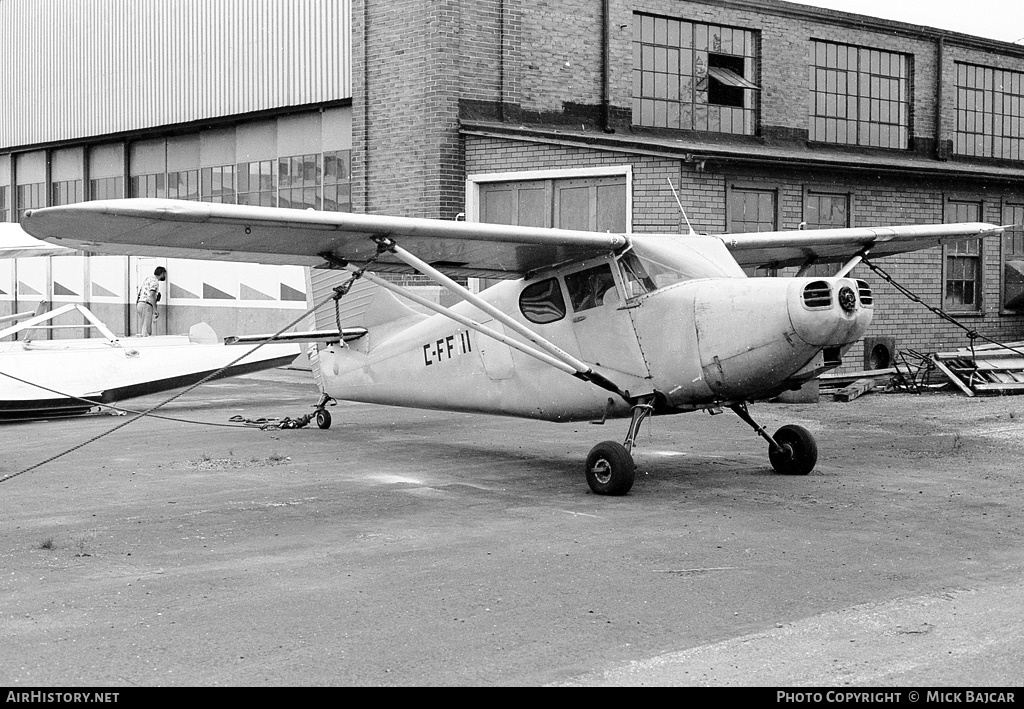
pixel 876 203
pixel 527 60
pixel 406 60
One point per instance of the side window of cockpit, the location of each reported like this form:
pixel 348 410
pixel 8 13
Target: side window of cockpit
pixel 634 276
pixel 542 302
pixel 588 288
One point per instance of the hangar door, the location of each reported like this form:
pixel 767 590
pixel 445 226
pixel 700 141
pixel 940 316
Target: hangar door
pixel 589 204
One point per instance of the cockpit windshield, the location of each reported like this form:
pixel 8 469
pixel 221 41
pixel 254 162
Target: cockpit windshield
pixel 657 261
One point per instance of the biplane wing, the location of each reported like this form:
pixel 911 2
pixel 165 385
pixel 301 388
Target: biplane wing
pixel 172 228
pixel 15 243
pixel 794 248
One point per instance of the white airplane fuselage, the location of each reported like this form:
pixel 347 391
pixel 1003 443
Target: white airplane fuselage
pixel 694 344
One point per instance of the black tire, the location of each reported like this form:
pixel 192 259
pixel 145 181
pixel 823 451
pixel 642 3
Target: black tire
pixel 610 469
pixel 323 419
pixel 799 451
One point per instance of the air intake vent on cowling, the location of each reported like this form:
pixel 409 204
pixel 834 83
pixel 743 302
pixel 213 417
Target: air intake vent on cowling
pixel 818 295
pixel 864 291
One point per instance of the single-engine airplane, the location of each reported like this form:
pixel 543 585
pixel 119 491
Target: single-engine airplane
pixel 582 326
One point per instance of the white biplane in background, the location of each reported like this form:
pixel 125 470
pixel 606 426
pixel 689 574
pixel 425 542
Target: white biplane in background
pixel 583 325
pixel 40 376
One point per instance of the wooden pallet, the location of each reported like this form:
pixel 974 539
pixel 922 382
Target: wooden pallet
pixel 850 385
pixel 987 369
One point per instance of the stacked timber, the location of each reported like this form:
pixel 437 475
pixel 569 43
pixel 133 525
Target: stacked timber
pixel 847 386
pixel 985 369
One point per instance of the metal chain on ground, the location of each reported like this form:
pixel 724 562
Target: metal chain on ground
pixel 338 293
pixel 972 335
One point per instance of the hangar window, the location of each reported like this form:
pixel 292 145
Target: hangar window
pixel 989 112
pixel 824 210
pixel 337 181
pixel 962 260
pixel 106 188
pixel 694 76
pixel 30 182
pixel 1013 258
pixel 217 184
pixel 542 302
pixel 753 209
pixel 859 96
pixel 66 192
pixel 183 184
pixel 587 288
pixel 257 183
pixel 299 182
pixel 106 171
pixel 66 171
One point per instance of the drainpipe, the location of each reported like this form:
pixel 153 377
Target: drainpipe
pixel 605 66
pixel 501 61
pixel 940 150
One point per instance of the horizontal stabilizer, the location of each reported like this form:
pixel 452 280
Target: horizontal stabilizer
pixel 348 334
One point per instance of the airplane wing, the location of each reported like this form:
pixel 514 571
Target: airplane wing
pixel 15 243
pixel 793 248
pixel 174 228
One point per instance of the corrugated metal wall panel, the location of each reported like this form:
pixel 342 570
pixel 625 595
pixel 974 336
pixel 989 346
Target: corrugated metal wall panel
pixel 71 69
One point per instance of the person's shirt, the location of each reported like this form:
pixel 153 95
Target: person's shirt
pixel 148 289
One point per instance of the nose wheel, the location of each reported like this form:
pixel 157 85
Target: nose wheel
pixel 797 452
pixel 792 450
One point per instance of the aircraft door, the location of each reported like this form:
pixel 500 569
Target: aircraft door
pixel 604 329
pixel 497 357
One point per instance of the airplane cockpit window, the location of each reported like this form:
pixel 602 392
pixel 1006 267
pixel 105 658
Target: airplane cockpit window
pixel 542 302
pixel 635 276
pixel 587 289
pixel 658 261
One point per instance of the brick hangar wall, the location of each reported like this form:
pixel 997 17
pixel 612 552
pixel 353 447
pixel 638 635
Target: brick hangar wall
pixel 875 203
pixel 558 58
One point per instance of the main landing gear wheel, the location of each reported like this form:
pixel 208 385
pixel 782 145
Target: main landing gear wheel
pixel 323 419
pixel 610 469
pixel 798 453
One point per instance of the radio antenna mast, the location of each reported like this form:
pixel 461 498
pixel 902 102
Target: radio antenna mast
pixel 676 195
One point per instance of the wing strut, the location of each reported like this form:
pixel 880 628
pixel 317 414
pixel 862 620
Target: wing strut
pixel 554 356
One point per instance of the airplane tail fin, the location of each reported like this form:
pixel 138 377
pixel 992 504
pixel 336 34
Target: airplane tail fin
pixel 374 308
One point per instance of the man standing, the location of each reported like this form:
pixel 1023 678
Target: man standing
pixel 148 296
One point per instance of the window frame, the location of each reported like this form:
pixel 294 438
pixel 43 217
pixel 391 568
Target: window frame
pixel 989 92
pixel 816 270
pixel 753 187
pixel 978 309
pixel 559 288
pixel 822 76
pixel 474 183
pixel 1009 216
pixel 671 58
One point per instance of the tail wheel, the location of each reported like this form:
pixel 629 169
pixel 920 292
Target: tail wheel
pixel 610 469
pixel 323 418
pixel 799 451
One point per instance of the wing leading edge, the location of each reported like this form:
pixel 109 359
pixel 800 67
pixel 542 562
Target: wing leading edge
pixel 174 228
pixel 793 248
